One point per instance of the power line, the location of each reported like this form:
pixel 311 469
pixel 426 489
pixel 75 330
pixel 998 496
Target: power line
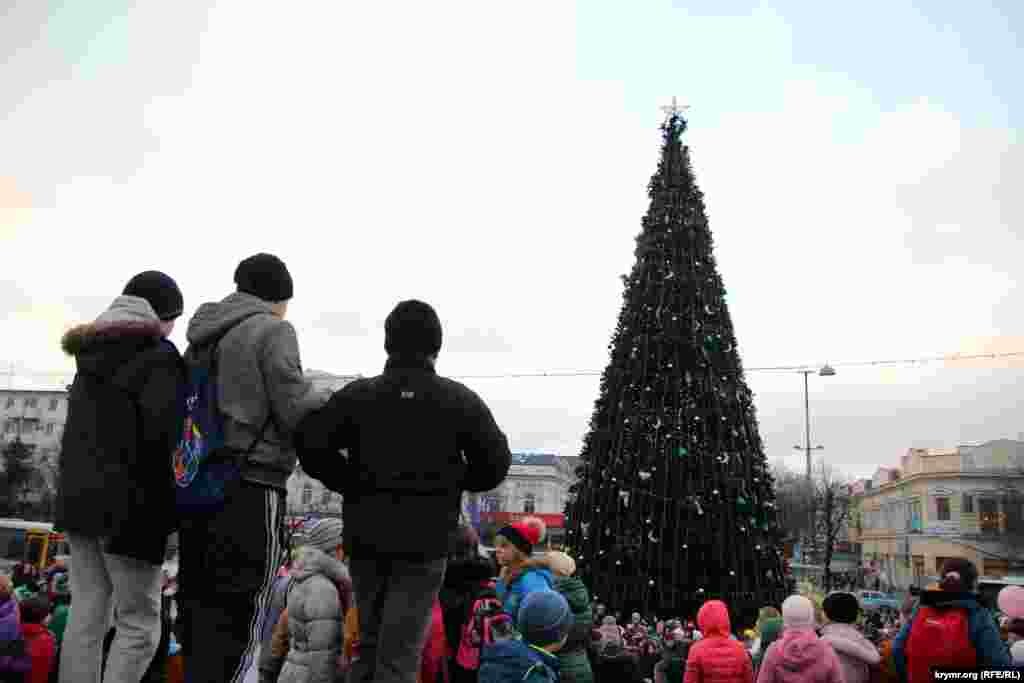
pixel 782 368
pixel 895 362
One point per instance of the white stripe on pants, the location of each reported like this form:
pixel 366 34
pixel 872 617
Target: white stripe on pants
pixel 108 589
pixel 273 520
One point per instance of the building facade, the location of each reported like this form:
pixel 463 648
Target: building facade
pixel 306 495
pixel 36 417
pixel 966 502
pixel 537 484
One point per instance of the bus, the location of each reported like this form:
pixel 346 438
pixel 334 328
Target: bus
pixel 33 542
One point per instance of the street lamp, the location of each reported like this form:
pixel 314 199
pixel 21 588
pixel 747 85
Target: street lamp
pixel 825 371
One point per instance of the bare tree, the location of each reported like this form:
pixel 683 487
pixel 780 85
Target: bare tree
pixel 793 504
pixel 832 503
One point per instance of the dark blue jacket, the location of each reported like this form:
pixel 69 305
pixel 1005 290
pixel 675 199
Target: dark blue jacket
pixel 514 661
pixel 981 630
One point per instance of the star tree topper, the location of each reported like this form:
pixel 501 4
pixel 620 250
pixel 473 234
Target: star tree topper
pixel 675 109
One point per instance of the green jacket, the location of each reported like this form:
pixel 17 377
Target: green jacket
pixel 573 661
pixel 59 622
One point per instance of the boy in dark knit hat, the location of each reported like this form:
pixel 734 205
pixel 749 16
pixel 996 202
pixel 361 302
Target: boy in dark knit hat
pixel 116 495
pixel 415 441
pixel 229 560
pixel 544 622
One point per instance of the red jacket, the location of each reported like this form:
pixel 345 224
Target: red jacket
pixel 717 658
pixel 42 649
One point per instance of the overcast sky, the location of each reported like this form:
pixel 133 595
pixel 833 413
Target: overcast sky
pixel 861 164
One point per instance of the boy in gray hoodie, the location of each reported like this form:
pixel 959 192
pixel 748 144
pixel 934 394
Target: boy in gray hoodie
pixel 229 560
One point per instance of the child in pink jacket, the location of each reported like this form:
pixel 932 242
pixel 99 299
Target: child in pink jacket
pixel 799 656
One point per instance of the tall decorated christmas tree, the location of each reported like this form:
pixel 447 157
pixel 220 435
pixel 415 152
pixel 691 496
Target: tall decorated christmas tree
pixel 674 504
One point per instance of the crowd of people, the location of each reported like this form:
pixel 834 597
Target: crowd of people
pixel 400 592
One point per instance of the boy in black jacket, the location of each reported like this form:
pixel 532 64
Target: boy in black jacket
pixel 116 497
pixel 415 442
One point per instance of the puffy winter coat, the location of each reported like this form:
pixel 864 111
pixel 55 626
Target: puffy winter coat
pixel 41 650
pixel 514 661
pixel 572 658
pixel 771 629
pixel 800 656
pixel 530 581
pixel 14 657
pixel 857 655
pixel 269 664
pixel 380 421
pixel 717 658
pixel 125 413
pixel 315 617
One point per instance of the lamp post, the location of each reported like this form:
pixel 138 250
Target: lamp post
pixel 826 371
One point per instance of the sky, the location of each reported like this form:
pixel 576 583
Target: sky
pixel 858 161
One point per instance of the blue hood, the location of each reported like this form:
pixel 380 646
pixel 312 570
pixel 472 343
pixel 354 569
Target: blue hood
pixel 512 660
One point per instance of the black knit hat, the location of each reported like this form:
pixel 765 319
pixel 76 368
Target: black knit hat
pixel 412 327
pixel 160 290
pixel 264 276
pixel 841 608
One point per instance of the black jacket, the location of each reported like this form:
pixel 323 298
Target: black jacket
pixel 415 442
pixel 125 415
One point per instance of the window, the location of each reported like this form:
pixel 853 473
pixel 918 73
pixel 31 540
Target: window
pixel 32 402
pixel 49 427
pixel 942 508
pixel 1014 516
pixel 988 515
pixel 529 503
pixel 915 516
pixel 54 402
pixel 967 506
pixel 307 494
pixel 10 401
pixel 325 497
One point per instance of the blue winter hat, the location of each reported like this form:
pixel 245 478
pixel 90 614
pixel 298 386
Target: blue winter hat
pixel 544 618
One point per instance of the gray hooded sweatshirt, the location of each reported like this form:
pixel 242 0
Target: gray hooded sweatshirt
pixel 259 377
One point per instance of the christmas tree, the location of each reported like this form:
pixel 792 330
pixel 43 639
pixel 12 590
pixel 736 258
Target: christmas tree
pixel 674 503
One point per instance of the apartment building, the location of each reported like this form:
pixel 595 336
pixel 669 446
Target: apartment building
pixel 963 502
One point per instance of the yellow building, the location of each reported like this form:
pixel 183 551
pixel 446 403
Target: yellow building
pixel 965 502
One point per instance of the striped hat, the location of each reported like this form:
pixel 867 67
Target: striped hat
pixel 325 535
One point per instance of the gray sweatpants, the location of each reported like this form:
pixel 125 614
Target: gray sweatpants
pixel 109 590
pixel 395 600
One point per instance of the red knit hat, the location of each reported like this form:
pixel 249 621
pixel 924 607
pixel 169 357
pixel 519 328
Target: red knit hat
pixel 522 535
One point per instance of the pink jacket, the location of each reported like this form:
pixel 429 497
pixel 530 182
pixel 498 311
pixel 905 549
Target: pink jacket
pixel 800 657
pixel 856 654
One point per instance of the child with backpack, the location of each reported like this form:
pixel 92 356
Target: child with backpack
pixel 949 628
pixel 544 621
pixel 467 578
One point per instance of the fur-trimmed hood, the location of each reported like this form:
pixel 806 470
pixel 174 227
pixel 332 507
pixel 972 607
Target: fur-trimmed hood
pixel 311 562
pixel 127 317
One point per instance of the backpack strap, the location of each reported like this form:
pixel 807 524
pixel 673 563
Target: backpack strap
pixel 212 346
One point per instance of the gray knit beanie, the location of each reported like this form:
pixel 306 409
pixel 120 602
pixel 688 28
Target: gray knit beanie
pixel 325 535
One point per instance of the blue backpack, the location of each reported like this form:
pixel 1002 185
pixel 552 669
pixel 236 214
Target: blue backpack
pixel 203 465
